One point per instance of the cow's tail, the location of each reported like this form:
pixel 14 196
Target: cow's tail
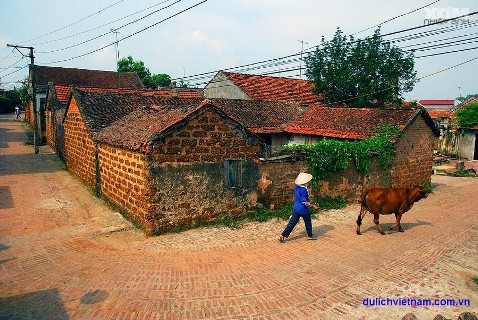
pixel 363 207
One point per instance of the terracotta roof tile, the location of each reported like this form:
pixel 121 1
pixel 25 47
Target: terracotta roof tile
pixel 101 107
pixel 351 123
pixel 62 92
pixel 434 114
pixel 260 116
pixel 137 129
pixel 84 77
pixel 260 87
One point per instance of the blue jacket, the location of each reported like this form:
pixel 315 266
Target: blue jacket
pixel 300 195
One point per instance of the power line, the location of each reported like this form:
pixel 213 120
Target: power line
pixel 72 24
pixel 106 33
pixel 203 75
pixel 131 35
pixel 399 16
pixel 103 25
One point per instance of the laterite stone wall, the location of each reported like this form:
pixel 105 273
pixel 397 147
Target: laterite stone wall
pixel 79 147
pixel 125 181
pixel 414 156
pixel 190 167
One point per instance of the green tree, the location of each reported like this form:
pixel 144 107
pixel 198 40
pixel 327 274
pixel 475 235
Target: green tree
pixel 362 72
pixel 9 99
pixel 462 99
pixel 467 116
pixel 149 80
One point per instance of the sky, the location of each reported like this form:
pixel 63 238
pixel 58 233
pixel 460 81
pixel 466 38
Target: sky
pixel 193 39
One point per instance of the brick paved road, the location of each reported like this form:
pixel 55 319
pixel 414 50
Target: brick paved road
pixel 65 255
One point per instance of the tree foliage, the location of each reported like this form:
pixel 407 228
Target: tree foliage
pixel 462 99
pixel 467 116
pixel 149 80
pixel 9 99
pixel 362 72
pixel 331 155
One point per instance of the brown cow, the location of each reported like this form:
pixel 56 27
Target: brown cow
pixel 387 201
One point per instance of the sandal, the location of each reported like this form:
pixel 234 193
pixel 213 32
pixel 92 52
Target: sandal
pixel 312 238
pixel 282 239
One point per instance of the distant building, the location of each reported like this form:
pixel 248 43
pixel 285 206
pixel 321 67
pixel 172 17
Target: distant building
pixel 437 104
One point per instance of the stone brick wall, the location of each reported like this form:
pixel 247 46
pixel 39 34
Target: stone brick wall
pixel 276 182
pixel 125 181
pixel 414 156
pixel 50 132
pixel 190 168
pixel 207 138
pixel 79 147
pixel 412 166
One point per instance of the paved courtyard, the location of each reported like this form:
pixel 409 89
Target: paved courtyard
pixel 64 254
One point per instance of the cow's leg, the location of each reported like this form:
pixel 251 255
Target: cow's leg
pixel 399 217
pixel 377 224
pixel 397 222
pixel 360 217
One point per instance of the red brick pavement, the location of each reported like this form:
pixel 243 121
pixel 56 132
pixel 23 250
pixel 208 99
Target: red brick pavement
pixel 64 254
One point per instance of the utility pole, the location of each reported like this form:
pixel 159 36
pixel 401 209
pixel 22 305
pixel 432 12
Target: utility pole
pixel 300 62
pixel 33 92
pixel 115 31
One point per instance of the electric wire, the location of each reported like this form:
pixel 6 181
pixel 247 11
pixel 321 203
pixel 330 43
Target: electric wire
pixel 399 16
pixel 107 33
pixel 74 23
pixel 98 27
pixel 129 36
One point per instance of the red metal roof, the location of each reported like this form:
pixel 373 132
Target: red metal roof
pixel 437 102
pixel 260 87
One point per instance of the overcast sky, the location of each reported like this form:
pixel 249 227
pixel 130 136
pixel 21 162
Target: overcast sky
pixel 221 34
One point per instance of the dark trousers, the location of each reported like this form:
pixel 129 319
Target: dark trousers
pixel 293 221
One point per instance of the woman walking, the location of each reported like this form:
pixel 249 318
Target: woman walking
pixel 301 207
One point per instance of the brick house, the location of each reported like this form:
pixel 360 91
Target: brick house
pixel 266 119
pixel 167 162
pixel 412 165
pixel 45 77
pixel 230 85
pixel 238 86
pixel 57 100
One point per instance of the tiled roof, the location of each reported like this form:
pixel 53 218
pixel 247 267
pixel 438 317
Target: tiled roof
pixel 84 77
pixel 62 93
pixel 260 116
pixel 260 87
pixel 352 123
pixel 436 102
pixel 137 129
pixel 101 107
pixel 434 114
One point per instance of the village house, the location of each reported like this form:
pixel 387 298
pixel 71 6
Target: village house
pixel 168 162
pixel 57 99
pixel 230 85
pixel 414 151
pixel 467 138
pixel 45 77
pixel 174 162
pixel 437 104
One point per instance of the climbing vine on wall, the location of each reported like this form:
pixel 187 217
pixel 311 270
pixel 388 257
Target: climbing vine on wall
pixel 330 155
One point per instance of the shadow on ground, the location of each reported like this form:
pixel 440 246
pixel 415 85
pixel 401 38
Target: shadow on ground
pixel 45 304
